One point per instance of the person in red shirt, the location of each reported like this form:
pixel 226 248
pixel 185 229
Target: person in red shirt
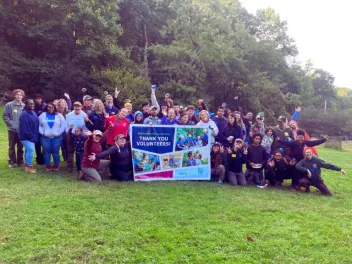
pixel 92 170
pixel 120 125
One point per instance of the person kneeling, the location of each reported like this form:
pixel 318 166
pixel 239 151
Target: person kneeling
pixel 218 162
pixel 121 159
pixel 93 169
pixel 311 165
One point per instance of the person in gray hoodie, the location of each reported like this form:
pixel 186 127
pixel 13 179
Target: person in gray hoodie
pixel 51 128
pixel 11 116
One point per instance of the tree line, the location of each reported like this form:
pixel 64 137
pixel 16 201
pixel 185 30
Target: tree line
pixel 192 49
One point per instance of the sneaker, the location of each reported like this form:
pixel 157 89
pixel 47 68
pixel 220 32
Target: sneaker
pixel 220 182
pixel 262 186
pixel 49 168
pixel 11 165
pixel 80 175
pixel 55 168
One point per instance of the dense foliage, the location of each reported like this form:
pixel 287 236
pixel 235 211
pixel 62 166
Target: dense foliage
pixel 209 49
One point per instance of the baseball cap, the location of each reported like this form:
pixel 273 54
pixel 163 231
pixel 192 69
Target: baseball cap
pixel 282 119
pixel 217 143
pixel 87 97
pixel 119 137
pixel 153 106
pixel 238 140
pixel 97 133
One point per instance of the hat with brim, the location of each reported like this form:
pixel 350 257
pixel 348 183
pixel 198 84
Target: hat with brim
pixel 87 97
pixel 97 133
pixel 238 140
pixel 119 137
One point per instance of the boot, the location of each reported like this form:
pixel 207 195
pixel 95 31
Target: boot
pixel 80 175
pixel 30 169
pixel 49 168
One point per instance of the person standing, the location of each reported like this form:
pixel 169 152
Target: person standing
pixel 311 167
pixel 39 109
pixel 11 115
pixel 96 120
pixel 51 128
pixel 75 119
pixel 206 122
pixel 284 132
pixel 221 123
pixel 120 125
pixel 28 133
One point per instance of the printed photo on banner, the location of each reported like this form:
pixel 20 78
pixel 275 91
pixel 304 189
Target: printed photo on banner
pixel 195 158
pixel 172 161
pixel 144 162
pixel 191 138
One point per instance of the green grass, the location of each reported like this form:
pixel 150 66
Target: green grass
pixel 52 218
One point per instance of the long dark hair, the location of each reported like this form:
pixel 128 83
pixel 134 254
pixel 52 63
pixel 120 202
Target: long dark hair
pixel 234 117
pixel 52 104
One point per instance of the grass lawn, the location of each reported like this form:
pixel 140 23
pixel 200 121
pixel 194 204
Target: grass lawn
pixel 52 218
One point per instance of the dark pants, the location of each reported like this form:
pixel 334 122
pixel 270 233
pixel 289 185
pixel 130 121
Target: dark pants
pixel 39 153
pixel 121 175
pixel 255 176
pixel 70 152
pixel 13 141
pixel 276 177
pixel 64 146
pixel 320 185
pixel 79 157
pixel 296 176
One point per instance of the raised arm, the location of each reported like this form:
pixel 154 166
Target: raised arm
pixel 296 113
pixel 329 166
pixel 312 143
pixel 155 101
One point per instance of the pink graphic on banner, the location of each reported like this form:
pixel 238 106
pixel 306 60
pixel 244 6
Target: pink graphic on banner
pixel 159 175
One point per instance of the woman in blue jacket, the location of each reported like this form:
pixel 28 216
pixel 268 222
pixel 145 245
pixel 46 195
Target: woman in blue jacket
pixel 51 128
pixel 29 133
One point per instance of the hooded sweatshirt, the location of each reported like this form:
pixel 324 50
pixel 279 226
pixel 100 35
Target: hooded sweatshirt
pixel 221 124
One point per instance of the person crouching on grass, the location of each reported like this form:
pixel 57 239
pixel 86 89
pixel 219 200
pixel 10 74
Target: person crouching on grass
pixel 121 159
pixel 256 161
pixel 218 162
pixel 311 166
pixel 94 169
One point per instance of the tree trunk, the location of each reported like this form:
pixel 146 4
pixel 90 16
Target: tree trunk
pixel 145 59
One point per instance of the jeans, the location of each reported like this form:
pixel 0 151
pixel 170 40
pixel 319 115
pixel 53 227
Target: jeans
pixel 79 157
pixel 51 146
pixel 29 151
pixel 13 141
pixel 320 185
pixel 236 178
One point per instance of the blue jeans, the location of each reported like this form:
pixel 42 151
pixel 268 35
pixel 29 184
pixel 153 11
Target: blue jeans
pixel 51 146
pixel 29 149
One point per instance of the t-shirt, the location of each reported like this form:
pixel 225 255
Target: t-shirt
pixel 76 120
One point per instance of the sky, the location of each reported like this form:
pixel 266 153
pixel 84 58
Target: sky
pixel 322 32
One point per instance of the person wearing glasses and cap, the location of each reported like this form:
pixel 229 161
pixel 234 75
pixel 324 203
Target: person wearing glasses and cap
pixel 94 169
pixel 87 105
pixel 237 156
pixel 120 157
pixel 284 133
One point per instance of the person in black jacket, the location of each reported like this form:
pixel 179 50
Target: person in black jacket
pixel 311 167
pixel 121 159
pixel 256 161
pixel 279 169
pixel 284 133
pixel 231 132
pixel 96 120
pixel 297 147
pixel 235 159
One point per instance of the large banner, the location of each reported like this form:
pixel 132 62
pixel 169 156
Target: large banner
pixel 170 152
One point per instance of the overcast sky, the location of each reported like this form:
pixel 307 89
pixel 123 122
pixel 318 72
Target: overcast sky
pixel 321 29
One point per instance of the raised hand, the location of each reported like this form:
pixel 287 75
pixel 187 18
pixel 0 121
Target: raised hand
pixel 326 137
pixel 229 150
pixel 66 95
pixel 245 150
pixel 89 133
pixel 221 149
pixel 72 126
pixel 343 173
pixel 299 108
pixel 293 162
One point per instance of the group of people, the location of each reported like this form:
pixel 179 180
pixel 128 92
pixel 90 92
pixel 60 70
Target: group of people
pixel 95 133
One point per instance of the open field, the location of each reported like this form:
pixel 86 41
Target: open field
pixel 52 218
